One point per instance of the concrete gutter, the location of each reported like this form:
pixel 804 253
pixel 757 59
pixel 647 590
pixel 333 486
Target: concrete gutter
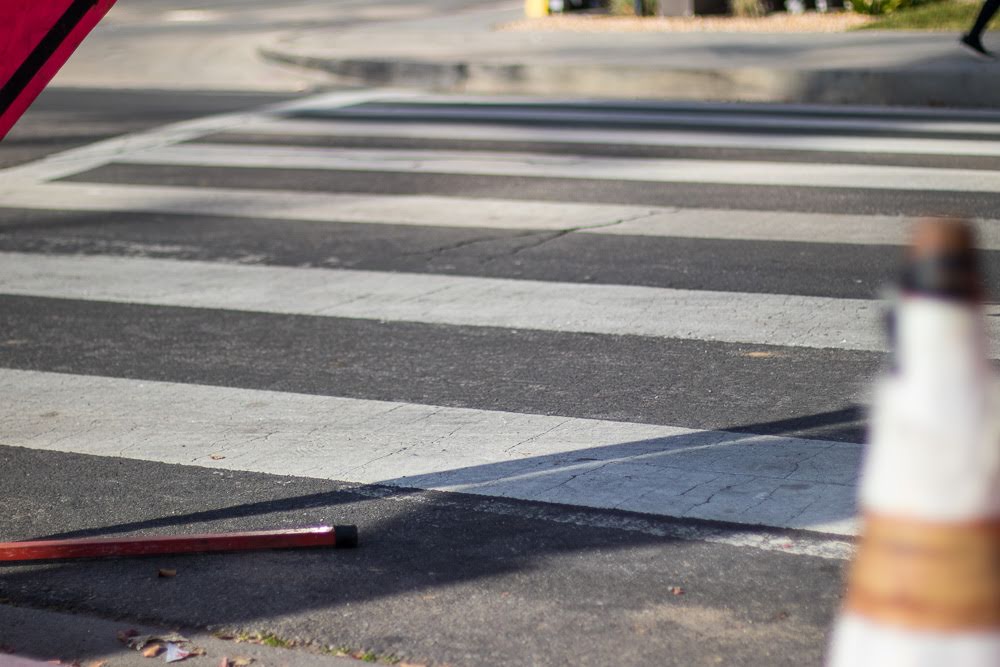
pixel 46 637
pixel 467 54
pixel 738 84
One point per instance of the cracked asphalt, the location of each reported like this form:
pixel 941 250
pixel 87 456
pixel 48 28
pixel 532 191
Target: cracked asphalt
pixel 625 495
pixel 450 579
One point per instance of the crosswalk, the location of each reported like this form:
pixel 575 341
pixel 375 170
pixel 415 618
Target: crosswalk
pixel 667 310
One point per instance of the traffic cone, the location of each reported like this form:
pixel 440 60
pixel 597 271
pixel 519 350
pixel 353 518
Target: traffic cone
pixel 924 588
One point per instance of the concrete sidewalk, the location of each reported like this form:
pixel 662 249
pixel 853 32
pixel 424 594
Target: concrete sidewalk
pixel 466 52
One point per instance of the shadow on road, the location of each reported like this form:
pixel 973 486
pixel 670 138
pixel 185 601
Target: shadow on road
pixel 473 561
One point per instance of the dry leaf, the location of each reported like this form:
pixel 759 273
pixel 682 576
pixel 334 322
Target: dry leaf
pixel 97 663
pixel 139 641
pixel 175 653
pixel 676 590
pixel 216 457
pixel 165 573
pixel 152 650
pixel 241 661
pixel 125 635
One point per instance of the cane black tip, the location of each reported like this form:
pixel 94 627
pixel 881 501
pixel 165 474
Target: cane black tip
pixel 347 536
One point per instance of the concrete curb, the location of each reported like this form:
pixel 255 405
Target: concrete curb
pixel 937 87
pixel 39 636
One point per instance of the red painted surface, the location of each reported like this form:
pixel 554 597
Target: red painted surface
pixel 23 25
pixel 98 547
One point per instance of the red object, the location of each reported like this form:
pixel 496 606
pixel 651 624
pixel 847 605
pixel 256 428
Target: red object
pixel 36 38
pixel 100 547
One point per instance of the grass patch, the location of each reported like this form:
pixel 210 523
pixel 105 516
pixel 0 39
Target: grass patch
pixel 943 16
pixel 627 7
pixel 363 656
pixel 265 639
pixel 275 642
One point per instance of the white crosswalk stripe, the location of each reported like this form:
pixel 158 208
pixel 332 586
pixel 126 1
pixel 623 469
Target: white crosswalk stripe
pixel 669 469
pixel 627 137
pixel 761 319
pixel 463 212
pixel 530 165
pixel 716 117
pixel 789 482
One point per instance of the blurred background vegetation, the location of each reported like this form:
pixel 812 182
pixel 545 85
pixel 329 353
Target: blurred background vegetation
pixel 937 15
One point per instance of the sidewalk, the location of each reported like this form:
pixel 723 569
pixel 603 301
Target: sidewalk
pixel 466 52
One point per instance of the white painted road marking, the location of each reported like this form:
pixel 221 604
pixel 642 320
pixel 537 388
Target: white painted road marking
pixel 763 319
pixel 663 470
pixel 625 137
pixel 91 156
pixel 458 212
pixel 420 210
pixel 780 174
pixel 778 117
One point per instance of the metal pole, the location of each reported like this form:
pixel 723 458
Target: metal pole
pixel 102 547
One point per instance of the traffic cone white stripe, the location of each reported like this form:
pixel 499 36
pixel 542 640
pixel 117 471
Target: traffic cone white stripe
pixel 924 588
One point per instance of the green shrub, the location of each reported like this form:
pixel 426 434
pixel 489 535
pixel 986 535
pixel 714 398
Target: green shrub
pixel 748 8
pixel 876 7
pixel 942 15
pixel 627 7
pixel 885 7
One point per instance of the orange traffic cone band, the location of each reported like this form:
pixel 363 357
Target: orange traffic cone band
pixel 924 589
pixel 927 576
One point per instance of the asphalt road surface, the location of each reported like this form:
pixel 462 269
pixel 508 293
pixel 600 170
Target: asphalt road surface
pixel 590 377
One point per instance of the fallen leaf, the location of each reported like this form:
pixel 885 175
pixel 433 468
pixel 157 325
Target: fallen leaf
pixel 152 650
pixel 97 663
pixel 138 642
pixel 216 457
pixel 676 590
pixel 241 661
pixel 124 635
pixel 761 355
pixel 175 653
pixel 164 573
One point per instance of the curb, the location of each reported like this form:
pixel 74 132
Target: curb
pixel 939 87
pixel 45 637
